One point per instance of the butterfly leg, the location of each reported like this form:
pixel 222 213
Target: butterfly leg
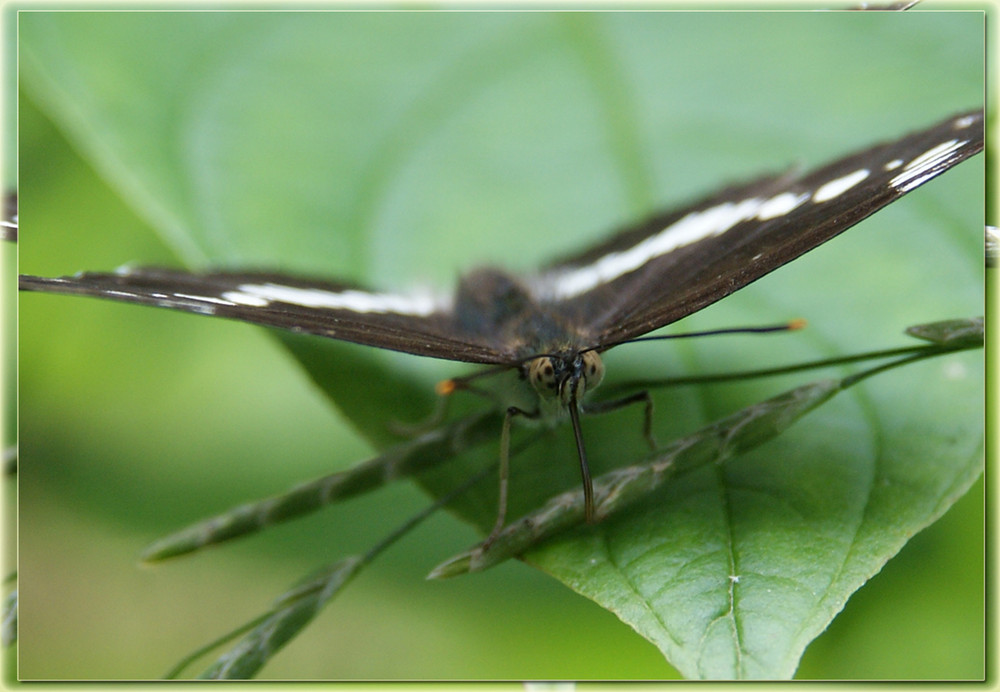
pixel 444 390
pixel 505 470
pixel 615 404
pixel 436 417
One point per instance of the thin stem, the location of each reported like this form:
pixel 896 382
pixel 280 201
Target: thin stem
pixel 783 370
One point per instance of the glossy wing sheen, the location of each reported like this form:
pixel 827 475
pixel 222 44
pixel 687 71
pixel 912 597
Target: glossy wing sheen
pixel 677 263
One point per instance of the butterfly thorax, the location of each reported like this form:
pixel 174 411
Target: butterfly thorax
pixel 497 308
pixel 548 349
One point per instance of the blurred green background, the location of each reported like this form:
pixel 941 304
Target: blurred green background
pixel 134 422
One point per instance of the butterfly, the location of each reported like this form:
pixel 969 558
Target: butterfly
pixel 552 326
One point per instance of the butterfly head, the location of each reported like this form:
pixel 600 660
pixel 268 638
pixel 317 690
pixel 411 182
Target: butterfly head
pixel 566 378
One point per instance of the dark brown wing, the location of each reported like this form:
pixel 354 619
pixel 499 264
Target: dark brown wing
pixel 416 324
pixel 680 262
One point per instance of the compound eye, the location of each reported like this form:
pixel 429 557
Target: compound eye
pixel 542 374
pixel 593 369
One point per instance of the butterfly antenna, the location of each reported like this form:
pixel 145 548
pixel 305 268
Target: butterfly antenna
pixel 789 326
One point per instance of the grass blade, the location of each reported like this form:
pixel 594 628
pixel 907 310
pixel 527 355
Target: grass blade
pixel 400 461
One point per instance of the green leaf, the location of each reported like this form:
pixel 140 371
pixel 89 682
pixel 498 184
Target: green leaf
pixel 623 586
pixel 401 148
pixel 621 488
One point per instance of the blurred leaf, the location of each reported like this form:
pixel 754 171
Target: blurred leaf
pixel 372 146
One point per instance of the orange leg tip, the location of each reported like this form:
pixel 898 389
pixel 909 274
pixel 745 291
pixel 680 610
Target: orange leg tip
pixel 445 387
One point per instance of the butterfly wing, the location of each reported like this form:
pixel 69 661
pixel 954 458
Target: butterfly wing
pixel 676 264
pixel 418 324
pixel 637 281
